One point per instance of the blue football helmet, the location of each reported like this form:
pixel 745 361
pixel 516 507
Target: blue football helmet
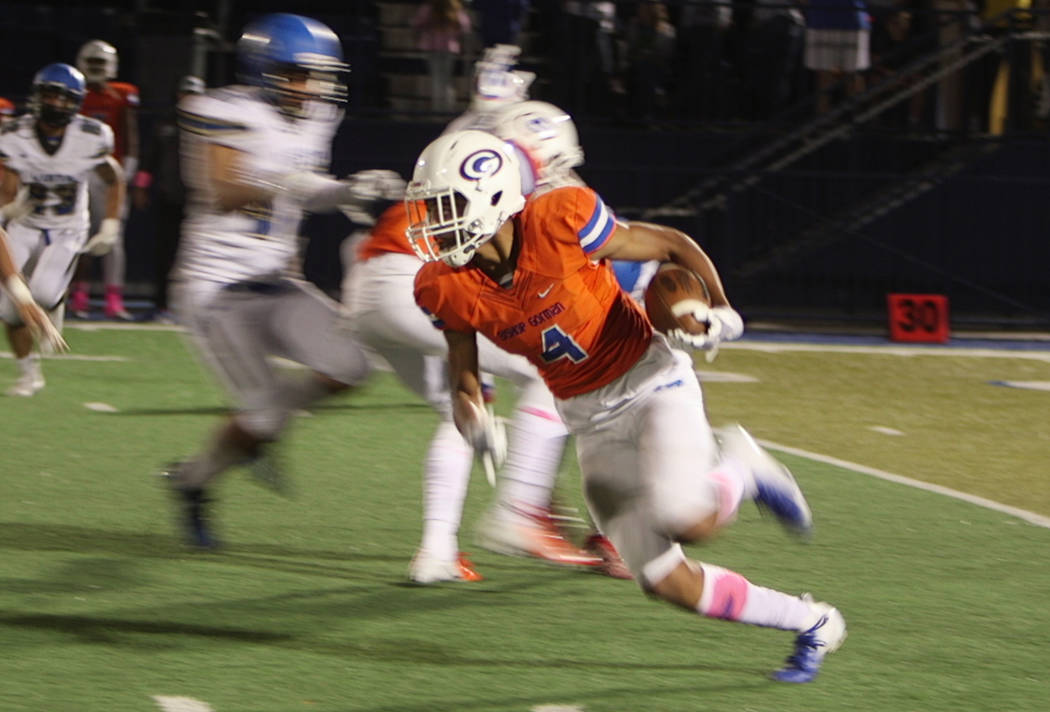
pixel 58 91
pixel 293 58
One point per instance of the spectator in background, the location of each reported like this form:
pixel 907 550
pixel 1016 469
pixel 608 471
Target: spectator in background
pixel 589 56
pixel 160 185
pixel 773 57
pixel 702 29
pixel 650 47
pixel 837 47
pixel 954 19
pixel 440 26
pixel 116 105
pixel 500 21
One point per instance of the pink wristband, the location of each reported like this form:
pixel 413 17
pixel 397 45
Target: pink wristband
pixel 143 179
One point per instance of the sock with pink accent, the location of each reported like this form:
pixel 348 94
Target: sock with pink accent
pixel 730 596
pixel 732 481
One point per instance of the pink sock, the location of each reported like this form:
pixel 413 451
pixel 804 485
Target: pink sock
pixel 730 596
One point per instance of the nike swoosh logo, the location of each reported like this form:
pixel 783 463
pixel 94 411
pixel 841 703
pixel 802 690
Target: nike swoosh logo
pixel 546 291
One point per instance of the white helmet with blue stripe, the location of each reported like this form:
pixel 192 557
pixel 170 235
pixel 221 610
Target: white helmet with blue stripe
pixel 546 134
pixel 465 185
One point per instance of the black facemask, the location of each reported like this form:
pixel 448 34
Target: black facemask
pixel 54 116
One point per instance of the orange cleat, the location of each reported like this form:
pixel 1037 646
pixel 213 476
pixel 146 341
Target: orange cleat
pixel 529 531
pixel 427 568
pixel 612 563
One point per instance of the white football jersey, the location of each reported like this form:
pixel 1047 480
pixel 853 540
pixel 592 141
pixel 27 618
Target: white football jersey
pixel 57 181
pixel 223 247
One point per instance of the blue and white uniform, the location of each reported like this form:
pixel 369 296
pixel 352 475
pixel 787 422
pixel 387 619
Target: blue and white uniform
pixel 236 284
pixel 49 238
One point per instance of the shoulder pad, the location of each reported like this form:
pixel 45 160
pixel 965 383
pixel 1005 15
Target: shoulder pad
pixel 90 126
pixel 213 114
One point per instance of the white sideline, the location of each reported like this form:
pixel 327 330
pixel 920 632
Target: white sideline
pixel 1031 517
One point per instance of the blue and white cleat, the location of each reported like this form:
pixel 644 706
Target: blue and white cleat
pixel 775 488
pixel 825 636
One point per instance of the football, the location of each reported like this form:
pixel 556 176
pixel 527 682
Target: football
pixel 672 296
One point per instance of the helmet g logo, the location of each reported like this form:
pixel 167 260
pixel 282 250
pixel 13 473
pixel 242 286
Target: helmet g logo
pixel 481 164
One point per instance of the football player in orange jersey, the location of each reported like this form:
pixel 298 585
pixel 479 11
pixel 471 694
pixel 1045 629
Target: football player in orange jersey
pixel 115 104
pixel 7 110
pixel 534 277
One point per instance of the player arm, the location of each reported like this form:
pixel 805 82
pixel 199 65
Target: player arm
pixel 131 142
pixel 32 315
pixel 14 203
pixel 113 176
pixel 464 378
pixel 640 242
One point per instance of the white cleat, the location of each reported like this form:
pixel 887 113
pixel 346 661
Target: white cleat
pixel 27 385
pixel 427 568
pixel 825 635
pixel 775 488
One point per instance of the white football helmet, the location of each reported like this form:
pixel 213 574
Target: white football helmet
pixel 464 187
pixel 97 60
pixel 496 83
pixel 548 137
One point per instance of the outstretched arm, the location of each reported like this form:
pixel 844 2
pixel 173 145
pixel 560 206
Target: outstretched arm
pixel 43 331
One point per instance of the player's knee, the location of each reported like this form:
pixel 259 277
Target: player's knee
pixel 686 514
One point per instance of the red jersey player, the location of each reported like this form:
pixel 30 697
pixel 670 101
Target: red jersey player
pixel 535 278
pixel 115 104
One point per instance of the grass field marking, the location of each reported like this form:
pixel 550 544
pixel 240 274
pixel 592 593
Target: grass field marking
pixel 181 704
pixel 74 357
pixel 1026 385
pixel 115 326
pixel 100 407
pixel 885 430
pixel 557 708
pixel 1030 517
pixel 724 377
pixel 908 351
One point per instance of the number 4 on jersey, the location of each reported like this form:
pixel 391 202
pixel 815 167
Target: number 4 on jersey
pixel 558 345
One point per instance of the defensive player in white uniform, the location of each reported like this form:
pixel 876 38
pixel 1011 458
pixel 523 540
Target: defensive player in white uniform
pixel 51 152
pixel 378 293
pixel 252 157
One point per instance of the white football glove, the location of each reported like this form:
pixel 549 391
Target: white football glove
pixel 103 240
pixel 723 324
pixel 17 208
pixel 365 188
pixel 487 434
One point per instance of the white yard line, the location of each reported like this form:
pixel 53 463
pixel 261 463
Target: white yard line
pixel 181 704
pixel 1031 517
pixel 74 357
pixel 888 350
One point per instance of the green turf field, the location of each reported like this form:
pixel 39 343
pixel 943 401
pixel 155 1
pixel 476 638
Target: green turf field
pixel 102 610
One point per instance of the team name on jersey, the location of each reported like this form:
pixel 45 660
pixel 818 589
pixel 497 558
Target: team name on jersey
pixel 536 319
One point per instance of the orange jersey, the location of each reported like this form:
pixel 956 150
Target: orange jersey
pixel 110 106
pixel 564 312
pixel 387 235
